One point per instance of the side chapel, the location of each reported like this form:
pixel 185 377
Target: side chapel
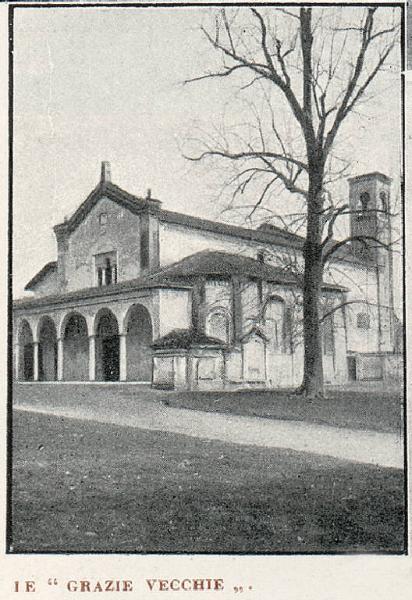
pixel 143 294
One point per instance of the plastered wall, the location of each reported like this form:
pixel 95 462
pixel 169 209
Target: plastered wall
pixel 121 234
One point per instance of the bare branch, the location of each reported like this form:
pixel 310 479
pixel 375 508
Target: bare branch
pixel 363 239
pixel 216 75
pixel 246 155
pixel 339 307
pixel 335 214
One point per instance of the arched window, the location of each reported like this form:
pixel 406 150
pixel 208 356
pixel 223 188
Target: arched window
pixel 363 321
pixel 106 268
pixel 274 320
pixel 384 201
pixel 364 200
pixel 217 325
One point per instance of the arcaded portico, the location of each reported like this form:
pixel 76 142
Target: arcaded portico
pixel 108 339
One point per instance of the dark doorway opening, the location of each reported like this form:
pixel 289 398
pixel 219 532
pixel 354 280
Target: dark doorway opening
pixel 28 370
pixel 352 368
pixel 110 358
pixel 25 371
pixel 107 347
pixel 47 351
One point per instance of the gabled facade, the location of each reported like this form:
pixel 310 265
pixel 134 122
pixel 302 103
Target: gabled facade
pixel 139 293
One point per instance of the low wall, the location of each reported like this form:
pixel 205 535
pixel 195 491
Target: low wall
pixel 379 366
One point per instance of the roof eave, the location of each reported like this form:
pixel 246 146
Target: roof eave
pixel 89 293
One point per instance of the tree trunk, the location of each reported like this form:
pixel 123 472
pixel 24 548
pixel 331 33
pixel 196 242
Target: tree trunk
pixel 312 385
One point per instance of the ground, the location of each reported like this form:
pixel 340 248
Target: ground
pixel 369 406
pixel 372 406
pixel 86 486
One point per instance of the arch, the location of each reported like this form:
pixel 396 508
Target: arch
pixel 107 346
pixel 384 201
pixel 47 336
pixel 75 348
pixel 217 324
pixel 139 336
pixel 274 321
pixel 26 353
pixel 65 320
pixel 364 200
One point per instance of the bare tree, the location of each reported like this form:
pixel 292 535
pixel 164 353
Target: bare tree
pixel 319 64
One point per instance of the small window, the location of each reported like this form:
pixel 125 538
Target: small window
pixel 217 326
pixel 106 268
pixel 103 219
pixel 364 200
pixel 363 321
pixel 384 201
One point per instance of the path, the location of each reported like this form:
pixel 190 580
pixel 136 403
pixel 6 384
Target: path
pixel 384 449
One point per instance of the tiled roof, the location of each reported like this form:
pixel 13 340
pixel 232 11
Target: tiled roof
pixel 107 189
pixel 180 275
pixel 210 263
pixel 374 174
pixel 136 204
pixel 265 234
pixel 48 268
pixel 141 283
pixel 185 339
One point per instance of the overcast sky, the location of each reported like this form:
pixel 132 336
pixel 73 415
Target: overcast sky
pixel 105 84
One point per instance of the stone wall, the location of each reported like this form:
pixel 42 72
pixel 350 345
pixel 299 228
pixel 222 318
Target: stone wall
pixel 121 234
pixel 379 366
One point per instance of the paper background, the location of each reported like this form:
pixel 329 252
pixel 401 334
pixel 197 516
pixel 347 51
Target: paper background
pixel 271 577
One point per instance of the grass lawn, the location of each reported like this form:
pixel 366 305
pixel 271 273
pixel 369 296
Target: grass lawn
pixel 84 486
pixel 378 410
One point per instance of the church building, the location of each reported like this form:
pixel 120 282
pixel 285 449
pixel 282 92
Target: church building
pixel 143 294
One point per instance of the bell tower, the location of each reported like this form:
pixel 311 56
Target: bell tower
pixel 369 201
pixel 369 197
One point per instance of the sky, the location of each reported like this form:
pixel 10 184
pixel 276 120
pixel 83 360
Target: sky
pixel 94 84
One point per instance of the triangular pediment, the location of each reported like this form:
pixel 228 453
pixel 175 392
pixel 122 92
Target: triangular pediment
pixel 108 190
